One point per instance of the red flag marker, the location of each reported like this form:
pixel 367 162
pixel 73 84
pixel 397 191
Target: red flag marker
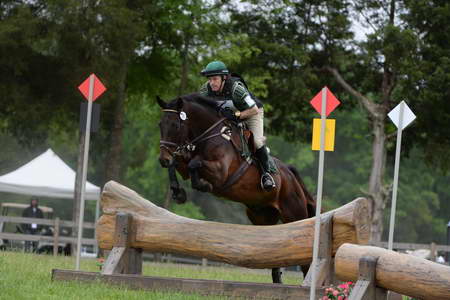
pixel 99 88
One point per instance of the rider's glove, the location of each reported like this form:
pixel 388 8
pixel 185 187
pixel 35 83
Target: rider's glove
pixel 229 114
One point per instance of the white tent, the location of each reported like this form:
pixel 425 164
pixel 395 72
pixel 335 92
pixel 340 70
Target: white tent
pixel 46 175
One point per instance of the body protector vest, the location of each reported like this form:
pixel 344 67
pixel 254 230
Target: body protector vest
pixel 234 94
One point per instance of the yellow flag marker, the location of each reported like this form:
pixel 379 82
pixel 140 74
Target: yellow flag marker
pixel 330 125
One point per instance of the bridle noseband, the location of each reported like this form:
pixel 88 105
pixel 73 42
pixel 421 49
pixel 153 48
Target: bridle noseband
pixel 188 146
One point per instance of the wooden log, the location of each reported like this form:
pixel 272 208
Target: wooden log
pixel 402 273
pixel 224 288
pixel 158 230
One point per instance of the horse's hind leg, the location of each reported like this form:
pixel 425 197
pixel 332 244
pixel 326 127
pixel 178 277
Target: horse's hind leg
pixel 266 216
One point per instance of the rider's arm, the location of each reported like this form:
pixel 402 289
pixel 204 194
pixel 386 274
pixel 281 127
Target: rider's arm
pixel 242 100
pixel 247 113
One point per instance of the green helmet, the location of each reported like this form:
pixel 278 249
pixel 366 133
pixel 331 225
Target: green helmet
pixel 215 68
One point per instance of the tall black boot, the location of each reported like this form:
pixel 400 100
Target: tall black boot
pixel 267 181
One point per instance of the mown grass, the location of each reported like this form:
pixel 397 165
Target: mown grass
pixel 28 276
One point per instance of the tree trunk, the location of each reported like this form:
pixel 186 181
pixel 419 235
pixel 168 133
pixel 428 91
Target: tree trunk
pixel 376 190
pixel 184 66
pixel 114 158
pixel 377 115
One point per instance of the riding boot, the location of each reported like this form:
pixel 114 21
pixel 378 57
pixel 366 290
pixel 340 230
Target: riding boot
pixel 267 181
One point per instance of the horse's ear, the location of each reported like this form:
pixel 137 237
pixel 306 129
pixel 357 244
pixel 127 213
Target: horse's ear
pixel 179 103
pixel 161 102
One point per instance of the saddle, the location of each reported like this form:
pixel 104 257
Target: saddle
pixel 242 139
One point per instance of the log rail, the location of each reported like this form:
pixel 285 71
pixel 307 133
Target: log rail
pixel 155 229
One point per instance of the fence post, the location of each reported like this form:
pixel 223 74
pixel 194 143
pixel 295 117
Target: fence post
pixel 433 252
pixel 448 243
pixel 123 259
pixel 56 237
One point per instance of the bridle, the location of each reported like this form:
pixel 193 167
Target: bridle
pixel 188 146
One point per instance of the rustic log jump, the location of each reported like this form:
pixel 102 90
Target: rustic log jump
pixel 402 273
pixel 155 229
pixel 131 224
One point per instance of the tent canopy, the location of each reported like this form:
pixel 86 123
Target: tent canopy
pixel 46 175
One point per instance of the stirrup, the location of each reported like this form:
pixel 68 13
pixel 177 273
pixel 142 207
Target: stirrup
pixel 265 178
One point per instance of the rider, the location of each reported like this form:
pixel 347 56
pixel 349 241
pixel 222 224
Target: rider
pixel 222 86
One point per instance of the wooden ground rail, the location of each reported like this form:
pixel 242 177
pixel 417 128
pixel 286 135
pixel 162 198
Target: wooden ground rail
pixel 123 267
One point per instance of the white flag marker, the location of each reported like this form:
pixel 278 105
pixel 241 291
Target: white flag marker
pixel 401 116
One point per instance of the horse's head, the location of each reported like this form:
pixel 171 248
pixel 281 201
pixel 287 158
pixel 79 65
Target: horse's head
pixel 173 129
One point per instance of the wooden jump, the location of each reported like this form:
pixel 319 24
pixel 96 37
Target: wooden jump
pixel 131 224
pixel 155 229
pixel 402 273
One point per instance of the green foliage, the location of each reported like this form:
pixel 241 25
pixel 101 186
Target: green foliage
pixel 418 203
pixel 189 210
pixel 140 49
pixel 141 139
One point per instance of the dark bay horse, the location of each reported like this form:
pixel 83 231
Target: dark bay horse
pixel 194 141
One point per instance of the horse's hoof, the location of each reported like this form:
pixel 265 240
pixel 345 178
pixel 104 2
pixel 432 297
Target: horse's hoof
pixel 206 188
pixel 276 275
pixel 203 186
pixel 180 197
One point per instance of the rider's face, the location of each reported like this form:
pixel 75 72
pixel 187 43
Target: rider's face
pixel 215 82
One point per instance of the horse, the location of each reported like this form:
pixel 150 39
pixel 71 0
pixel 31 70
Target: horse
pixel 204 147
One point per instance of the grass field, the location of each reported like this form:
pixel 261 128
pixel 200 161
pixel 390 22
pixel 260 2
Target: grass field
pixel 28 276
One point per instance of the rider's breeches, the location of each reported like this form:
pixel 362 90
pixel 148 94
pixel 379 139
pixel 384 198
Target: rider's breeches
pixel 256 125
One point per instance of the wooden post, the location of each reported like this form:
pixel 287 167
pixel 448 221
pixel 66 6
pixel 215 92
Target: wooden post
pixel 56 237
pixel 122 259
pixel 365 288
pixel 433 252
pixel 324 266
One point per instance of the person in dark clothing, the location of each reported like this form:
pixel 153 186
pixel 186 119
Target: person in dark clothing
pixel 32 211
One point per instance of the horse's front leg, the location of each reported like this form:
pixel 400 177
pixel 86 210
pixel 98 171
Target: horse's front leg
pixel 197 182
pixel 178 193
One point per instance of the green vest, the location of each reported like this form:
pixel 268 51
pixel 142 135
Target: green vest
pixel 234 90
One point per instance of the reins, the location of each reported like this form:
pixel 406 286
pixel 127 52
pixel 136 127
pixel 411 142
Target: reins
pixel 189 146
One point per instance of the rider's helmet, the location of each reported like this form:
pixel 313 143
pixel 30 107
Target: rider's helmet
pixel 215 68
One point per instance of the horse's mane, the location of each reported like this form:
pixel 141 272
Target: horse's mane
pixel 195 98
pixel 201 100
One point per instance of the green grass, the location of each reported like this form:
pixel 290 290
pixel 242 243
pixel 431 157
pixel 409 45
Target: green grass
pixel 28 276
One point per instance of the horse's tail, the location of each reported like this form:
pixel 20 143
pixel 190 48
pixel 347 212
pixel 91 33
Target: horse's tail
pixel 310 201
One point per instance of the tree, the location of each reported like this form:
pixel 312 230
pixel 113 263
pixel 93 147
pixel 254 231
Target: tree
pixel 302 43
pixel 388 60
